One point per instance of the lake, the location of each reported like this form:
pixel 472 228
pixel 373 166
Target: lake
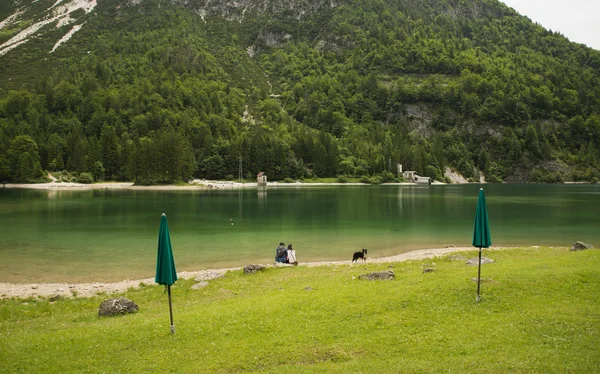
pixel 111 235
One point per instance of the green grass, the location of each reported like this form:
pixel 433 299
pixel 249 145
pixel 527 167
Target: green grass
pixel 540 313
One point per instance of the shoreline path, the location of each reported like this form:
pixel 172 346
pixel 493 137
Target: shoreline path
pixel 65 290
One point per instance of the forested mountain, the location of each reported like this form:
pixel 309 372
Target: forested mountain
pixel 161 90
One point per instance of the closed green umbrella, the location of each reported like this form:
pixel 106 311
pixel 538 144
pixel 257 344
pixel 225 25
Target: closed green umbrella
pixel 481 233
pixel 165 265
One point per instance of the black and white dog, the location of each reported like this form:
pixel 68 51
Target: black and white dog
pixel 358 255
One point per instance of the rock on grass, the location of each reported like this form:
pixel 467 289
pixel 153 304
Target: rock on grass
pixel 388 274
pixel 580 246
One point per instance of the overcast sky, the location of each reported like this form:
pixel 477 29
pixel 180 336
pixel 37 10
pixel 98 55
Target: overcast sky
pixel 578 20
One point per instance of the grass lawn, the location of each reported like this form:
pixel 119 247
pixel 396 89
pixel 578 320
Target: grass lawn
pixel 540 313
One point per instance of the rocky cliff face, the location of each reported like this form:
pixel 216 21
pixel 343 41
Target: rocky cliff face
pixel 36 19
pixel 60 19
pixel 236 10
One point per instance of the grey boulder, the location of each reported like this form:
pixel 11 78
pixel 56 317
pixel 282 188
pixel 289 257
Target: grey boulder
pixel 253 268
pixel 115 307
pixel 580 246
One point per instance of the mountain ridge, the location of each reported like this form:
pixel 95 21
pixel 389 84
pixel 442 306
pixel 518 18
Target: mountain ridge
pixel 340 89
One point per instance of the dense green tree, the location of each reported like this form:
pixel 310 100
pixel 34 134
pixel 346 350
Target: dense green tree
pixel 141 165
pixel 5 174
pixel 85 178
pixel 56 148
pixel 173 157
pixel 212 167
pixel 109 147
pixel 483 160
pixel 532 144
pixel 326 156
pixel 98 172
pixel 24 160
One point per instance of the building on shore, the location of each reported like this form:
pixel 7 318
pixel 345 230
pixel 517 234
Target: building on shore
pixel 422 180
pixel 261 179
pixel 411 176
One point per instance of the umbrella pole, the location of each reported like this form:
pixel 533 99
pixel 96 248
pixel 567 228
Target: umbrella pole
pixel 478 276
pixel 171 309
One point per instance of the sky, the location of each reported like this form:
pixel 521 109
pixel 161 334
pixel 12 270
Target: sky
pixel 578 20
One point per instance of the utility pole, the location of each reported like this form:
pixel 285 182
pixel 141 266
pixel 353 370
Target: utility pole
pixel 241 169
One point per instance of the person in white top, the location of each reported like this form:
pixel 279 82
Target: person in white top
pixel 291 255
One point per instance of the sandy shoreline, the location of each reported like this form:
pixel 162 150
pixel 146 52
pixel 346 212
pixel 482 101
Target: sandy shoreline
pixel 197 184
pixel 65 290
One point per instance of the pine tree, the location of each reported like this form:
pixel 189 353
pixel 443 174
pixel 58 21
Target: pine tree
pixel 24 160
pixel 109 146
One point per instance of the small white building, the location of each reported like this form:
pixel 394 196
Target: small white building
pixel 409 176
pixel 261 179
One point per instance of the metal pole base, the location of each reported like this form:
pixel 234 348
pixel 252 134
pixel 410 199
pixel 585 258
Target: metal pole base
pixel 173 329
pixel 478 276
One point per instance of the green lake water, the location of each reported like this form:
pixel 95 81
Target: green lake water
pixel 111 235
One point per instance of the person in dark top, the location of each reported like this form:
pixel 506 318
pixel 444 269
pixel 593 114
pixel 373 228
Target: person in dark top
pixel 281 253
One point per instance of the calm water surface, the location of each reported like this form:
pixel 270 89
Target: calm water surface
pixel 103 235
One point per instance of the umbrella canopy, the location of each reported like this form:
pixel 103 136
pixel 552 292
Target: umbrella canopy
pixel 165 265
pixel 481 233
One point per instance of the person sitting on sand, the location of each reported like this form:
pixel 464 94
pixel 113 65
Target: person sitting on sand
pixel 281 253
pixel 291 255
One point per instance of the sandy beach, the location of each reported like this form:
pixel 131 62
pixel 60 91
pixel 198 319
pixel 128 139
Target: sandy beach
pixel 66 290
pixel 196 184
pixel 129 186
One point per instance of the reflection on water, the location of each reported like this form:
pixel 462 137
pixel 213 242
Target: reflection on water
pixel 112 234
pixel 261 193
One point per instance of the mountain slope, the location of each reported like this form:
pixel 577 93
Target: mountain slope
pixel 295 89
